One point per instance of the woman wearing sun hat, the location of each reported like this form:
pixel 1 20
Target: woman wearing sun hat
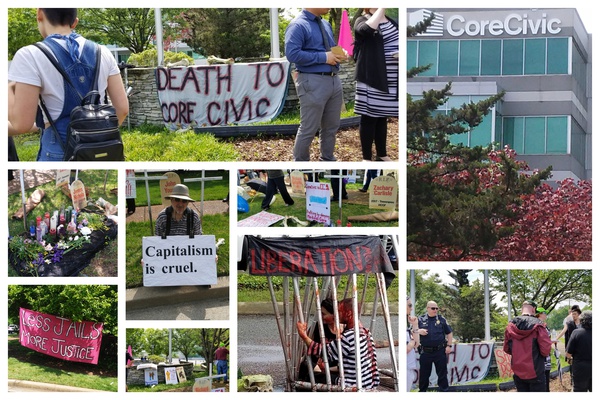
pixel 178 219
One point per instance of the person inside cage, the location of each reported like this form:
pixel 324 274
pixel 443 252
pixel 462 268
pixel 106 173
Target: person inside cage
pixel 369 377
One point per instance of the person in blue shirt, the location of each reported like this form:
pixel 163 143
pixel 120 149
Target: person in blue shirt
pixel 308 46
pixel 436 343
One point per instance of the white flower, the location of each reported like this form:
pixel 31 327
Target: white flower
pixel 76 237
pixel 48 247
pixel 47 261
pixel 85 231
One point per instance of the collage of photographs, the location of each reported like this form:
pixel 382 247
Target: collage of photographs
pixel 245 200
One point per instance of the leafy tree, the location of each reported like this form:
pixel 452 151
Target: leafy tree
pixel 128 27
pixel 552 224
pixel 460 276
pixel 466 313
pixel 457 195
pixel 186 341
pixel 556 317
pixel 96 303
pixel 229 32
pixel 547 288
pixel 136 338
pixel 427 288
pixel 157 341
pixel 210 340
pixel 22 29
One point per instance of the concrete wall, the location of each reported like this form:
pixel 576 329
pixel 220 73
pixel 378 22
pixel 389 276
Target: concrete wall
pixel 135 377
pixel 144 106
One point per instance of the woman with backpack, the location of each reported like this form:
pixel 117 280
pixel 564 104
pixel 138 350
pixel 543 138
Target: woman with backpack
pixel 33 76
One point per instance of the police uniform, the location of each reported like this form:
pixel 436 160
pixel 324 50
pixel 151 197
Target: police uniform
pixel 433 351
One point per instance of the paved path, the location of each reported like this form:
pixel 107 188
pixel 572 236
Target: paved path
pixel 209 207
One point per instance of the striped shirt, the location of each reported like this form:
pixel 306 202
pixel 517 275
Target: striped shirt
pixel 368 357
pixel 178 228
pixel 373 102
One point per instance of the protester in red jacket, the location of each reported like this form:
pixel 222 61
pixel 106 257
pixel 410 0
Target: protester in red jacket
pixel 527 341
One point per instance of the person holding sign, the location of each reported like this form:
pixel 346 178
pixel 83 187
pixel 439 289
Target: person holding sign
pixel 376 56
pixel 178 219
pixel 309 44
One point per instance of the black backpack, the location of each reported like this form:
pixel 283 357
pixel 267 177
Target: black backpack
pixel 93 133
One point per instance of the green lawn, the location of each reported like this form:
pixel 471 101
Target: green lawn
pixel 149 143
pixel 28 365
pixel 217 225
pixel 213 190
pixel 298 210
pixel 253 288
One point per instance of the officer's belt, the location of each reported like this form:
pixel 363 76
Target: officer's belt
pixel 429 349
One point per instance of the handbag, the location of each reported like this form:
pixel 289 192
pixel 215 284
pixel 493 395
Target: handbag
pixel 93 132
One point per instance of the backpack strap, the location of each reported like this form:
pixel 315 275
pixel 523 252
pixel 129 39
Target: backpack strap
pixel 189 220
pixel 169 212
pixel 60 69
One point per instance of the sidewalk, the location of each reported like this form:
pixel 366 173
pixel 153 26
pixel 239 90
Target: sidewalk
pixel 147 297
pixel 209 207
pixel 15 385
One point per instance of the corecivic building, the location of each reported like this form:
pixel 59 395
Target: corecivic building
pixel 541 58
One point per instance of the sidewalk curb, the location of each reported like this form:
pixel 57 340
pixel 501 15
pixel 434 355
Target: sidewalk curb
pixel 48 387
pixel 145 297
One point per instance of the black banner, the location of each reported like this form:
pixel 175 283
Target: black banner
pixel 316 256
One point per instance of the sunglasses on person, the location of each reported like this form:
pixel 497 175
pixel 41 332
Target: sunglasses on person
pixel 434 308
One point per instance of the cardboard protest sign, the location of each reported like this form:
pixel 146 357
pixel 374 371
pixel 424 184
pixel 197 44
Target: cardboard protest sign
pixel 503 361
pixel 170 375
pixel 130 189
pixel 318 200
pixel 261 219
pixel 297 181
pixel 181 374
pixel 78 195
pixel 211 95
pixel 383 193
pixel 179 260
pixel 166 186
pixel 60 337
pixel 150 376
pixel 202 385
pixel 62 177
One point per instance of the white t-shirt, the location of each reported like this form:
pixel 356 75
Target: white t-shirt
pixel 32 67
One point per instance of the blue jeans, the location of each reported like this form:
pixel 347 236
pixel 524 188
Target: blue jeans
pixel 222 369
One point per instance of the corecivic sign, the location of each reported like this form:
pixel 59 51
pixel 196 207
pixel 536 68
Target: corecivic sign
pixel 513 24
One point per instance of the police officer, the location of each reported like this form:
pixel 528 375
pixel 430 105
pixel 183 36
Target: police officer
pixel 436 343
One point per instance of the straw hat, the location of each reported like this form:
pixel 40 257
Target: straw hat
pixel 180 192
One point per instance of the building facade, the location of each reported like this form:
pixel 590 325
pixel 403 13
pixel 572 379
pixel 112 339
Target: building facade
pixel 541 58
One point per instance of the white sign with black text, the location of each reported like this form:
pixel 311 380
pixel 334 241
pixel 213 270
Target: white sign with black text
pixel 179 260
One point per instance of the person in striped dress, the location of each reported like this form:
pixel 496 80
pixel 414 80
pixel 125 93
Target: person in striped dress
pixel 369 374
pixel 376 56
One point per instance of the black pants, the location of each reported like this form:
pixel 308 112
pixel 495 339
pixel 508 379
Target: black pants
pixel 373 129
pixel 274 185
pixel 582 375
pixel 530 385
pixel 426 362
pixel 335 185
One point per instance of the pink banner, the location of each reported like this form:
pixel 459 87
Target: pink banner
pixel 60 337
pixel 345 40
